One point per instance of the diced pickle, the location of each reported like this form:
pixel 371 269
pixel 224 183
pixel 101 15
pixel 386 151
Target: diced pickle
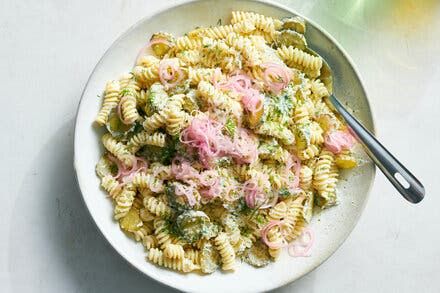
pixel 132 221
pixel 345 161
pixel 161 48
pixel 193 225
pixel 257 255
pixel 291 38
pixel 116 127
pixel 295 23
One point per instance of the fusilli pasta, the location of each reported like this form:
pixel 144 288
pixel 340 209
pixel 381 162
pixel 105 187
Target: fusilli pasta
pixel 219 144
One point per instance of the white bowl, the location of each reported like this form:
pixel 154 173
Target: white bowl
pixel 331 227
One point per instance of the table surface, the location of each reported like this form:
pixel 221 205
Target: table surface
pixel 48 242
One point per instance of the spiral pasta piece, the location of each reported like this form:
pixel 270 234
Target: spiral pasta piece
pixel 324 179
pixel 124 201
pixel 297 58
pixel 149 242
pixel 147 181
pixel 144 138
pixel 301 115
pixel 147 75
pixel 305 177
pixel 319 90
pixel 278 212
pixel 310 152
pixel 104 167
pixel 193 255
pixel 147 61
pixel 128 109
pixel 157 207
pixel 226 251
pixel 274 236
pixel 190 57
pixel 219 100
pixel 118 149
pixel 195 75
pixel 154 122
pixel 276 130
pixel 245 46
pixel 110 101
pixel 260 21
pixel 220 32
pixel 183 265
pixel 186 43
pixel 295 221
pixel 174 251
pixel 111 186
pixel 176 120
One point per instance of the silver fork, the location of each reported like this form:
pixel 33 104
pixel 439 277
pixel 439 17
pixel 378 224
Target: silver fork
pixel 402 179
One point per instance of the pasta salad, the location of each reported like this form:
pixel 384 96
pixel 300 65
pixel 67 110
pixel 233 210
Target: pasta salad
pixel 219 144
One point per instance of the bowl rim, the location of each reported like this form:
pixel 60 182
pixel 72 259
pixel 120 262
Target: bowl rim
pixel 272 3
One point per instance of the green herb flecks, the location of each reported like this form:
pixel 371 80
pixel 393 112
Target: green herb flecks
pixel 284 193
pixel 230 127
pixel 163 155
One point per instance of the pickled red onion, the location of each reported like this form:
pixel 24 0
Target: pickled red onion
pixel 183 170
pixel 276 71
pixel 239 82
pixel 211 191
pixel 206 137
pixel 294 161
pixel 252 193
pixel 168 69
pixel 336 141
pixel 298 249
pixel 245 147
pixel 144 163
pixel 133 168
pixel 211 181
pixel 124 174
pixel 265 230
pixel 188 192
pixel 252 100
pixel 158 41
pixel 208 178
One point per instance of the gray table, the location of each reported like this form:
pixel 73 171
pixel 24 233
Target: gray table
pixel 48 242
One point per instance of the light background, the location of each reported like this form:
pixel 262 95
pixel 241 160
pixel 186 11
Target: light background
pixel 48 48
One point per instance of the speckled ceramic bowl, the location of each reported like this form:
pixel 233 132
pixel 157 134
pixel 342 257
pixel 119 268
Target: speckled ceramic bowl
pixel 331 227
